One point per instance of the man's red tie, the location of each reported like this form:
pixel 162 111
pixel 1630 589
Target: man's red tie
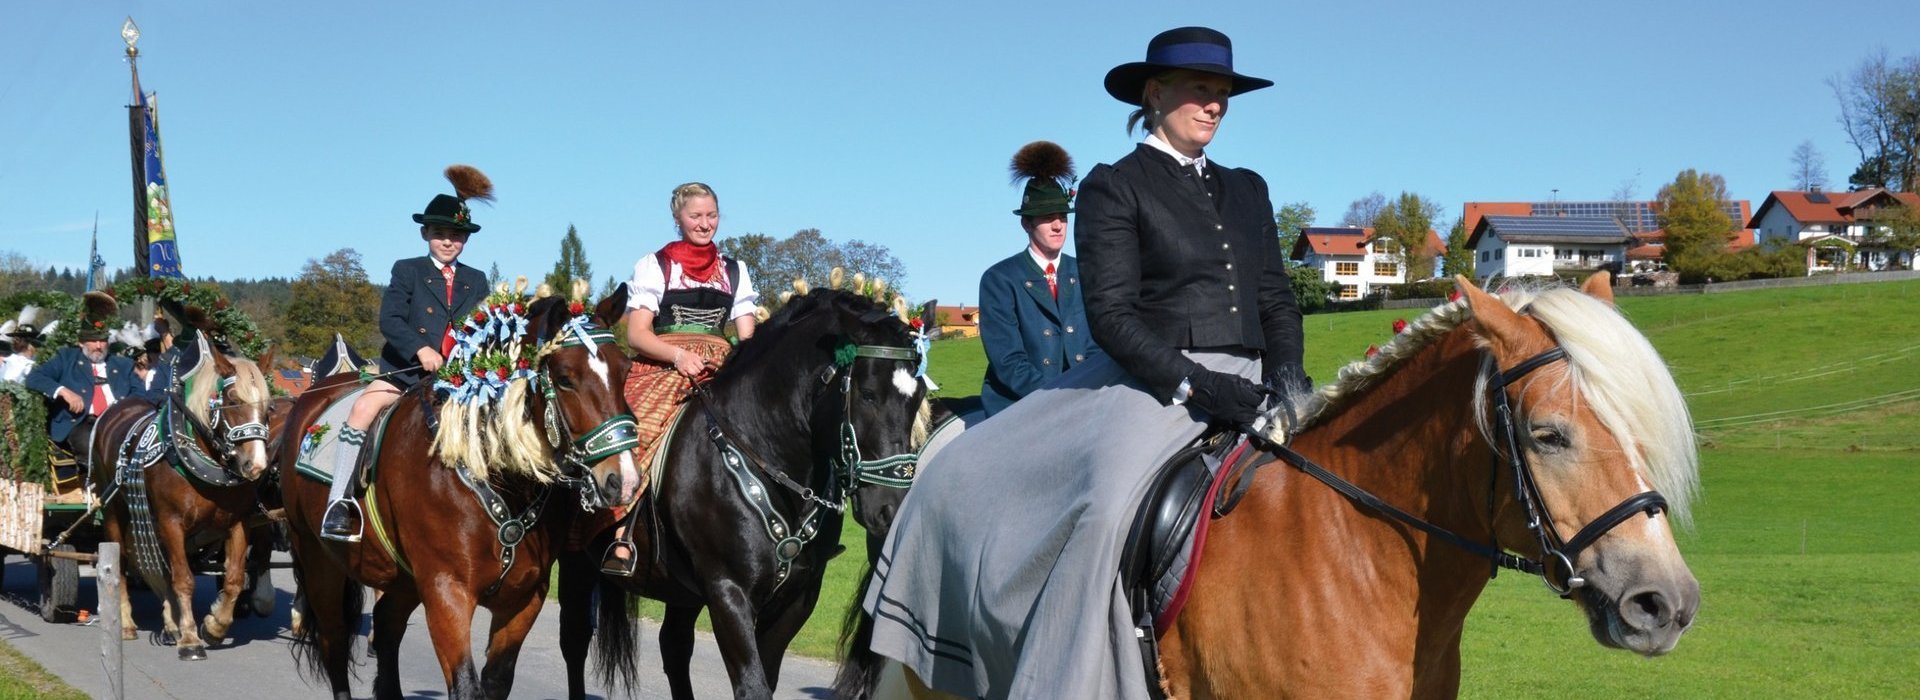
pixel 446 341
pixel 1052 286
pixel 99 403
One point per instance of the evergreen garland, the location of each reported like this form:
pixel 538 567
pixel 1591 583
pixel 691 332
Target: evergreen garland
pixel 23 434
pixel 228 322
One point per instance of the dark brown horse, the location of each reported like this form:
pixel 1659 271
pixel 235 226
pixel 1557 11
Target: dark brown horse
pixel 748 509
pixel 224 399
pixel 434 543
pixel 1488 415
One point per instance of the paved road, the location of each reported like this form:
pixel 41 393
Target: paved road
pixel 256 663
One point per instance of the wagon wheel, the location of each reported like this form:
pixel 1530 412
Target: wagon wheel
pixel 59 586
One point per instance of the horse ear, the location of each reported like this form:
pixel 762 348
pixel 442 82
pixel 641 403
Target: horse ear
pixel 1499 325
pixel 266 361
pixel 1599 286
pixel 610 309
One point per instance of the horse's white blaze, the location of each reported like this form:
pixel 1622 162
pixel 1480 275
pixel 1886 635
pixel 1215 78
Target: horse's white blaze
pixel 600 370
pixel 904 382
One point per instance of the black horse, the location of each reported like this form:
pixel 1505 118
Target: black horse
pixel 747 511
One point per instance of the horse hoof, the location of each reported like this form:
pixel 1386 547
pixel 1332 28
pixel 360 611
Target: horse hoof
pixel 129 633
pixel 193 653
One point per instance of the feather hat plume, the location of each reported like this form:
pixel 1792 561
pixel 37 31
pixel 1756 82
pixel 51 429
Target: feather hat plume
pixel 470 183
pixel 1048 171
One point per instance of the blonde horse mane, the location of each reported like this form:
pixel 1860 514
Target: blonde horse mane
pixel 490 437
pixel 1610 364
pixel 200 386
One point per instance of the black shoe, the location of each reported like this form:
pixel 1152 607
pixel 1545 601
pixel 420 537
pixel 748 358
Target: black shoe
pixel 615 563
pixel 342 522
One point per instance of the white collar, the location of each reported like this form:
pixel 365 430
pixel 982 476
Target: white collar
pixel 1178 157
pixel 1042 262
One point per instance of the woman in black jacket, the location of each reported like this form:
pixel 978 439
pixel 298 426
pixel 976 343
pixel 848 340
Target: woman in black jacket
pixel 999 578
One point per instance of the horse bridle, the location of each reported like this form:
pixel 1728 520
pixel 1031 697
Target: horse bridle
pixel 1555 566
pixel 618 433
pixel 846 470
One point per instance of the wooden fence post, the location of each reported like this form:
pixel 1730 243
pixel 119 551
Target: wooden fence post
pixel 107 581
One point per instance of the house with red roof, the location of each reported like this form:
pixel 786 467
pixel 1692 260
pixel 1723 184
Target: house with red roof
pixel 1640 218
pixel 1545 246
pixel 1841 230
pixel 1355 258
pixel 957 321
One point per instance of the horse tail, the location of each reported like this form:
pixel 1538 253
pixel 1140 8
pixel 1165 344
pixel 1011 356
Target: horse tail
pixel 617 643
pixel 306 641
pixel 859 666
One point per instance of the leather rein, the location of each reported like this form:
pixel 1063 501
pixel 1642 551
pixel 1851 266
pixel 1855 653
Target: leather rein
pixel 1555 566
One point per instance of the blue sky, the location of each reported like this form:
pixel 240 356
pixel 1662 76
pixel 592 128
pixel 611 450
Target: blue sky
pixel 292 130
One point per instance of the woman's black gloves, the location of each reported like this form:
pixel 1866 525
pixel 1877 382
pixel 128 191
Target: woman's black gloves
pixel 1226 397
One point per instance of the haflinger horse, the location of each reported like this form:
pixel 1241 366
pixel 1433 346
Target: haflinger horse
pixel 1535 430
pixel 824 399
pixel 433 541
pixel 183 475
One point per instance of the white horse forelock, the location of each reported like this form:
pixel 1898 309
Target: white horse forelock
pixel 1616 370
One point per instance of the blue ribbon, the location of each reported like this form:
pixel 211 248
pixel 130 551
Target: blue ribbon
pixel 1193 53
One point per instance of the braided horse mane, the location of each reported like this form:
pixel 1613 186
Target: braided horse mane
pixel 1610 365
pixel 805 299
pixel 504 436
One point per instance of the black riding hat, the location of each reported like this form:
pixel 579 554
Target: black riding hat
pixel 1192 48
pixel 450 210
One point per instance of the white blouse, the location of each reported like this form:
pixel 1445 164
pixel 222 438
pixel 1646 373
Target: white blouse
pixel 647 286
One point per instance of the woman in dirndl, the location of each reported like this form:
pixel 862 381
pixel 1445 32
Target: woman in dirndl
pixel 678 305
pixel 1000 576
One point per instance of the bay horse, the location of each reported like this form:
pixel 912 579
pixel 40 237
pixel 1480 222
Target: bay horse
pixel 435 544
pixel 747 510
pixel 1491 414
pixel 215 429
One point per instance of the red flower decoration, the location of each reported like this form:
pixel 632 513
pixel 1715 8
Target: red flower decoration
pixel 522 363
pixel 502 372
pixel 519 308
pixel 1453 295
pixel 479 316
pixel 917 324
pixel 1399 326
pixel 220 305
pixel 576 308
pixel 458 380
pixel 314 429
pixel 98 324
pixel 1372 350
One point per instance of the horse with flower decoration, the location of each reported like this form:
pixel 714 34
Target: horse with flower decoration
pixel 524 426
pixel 1535 430
pixel 744 510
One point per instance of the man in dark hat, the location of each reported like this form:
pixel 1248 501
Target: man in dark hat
pixel 84 380
pixel 425 297
pixel 1031 319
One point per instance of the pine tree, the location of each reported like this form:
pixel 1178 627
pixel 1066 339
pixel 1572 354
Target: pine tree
pixel 572 264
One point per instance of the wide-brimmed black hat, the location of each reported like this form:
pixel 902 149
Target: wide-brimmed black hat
pixel 1192 48
pixel 450 210
pixel 97 310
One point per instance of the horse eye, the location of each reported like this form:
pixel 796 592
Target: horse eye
pixel 1551 438
pixel 562 382
pixel 868 396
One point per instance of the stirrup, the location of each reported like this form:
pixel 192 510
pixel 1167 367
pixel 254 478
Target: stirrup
pixel 351 509
pixel 613 564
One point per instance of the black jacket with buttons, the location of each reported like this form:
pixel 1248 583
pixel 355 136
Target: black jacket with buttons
pixel 414 312
pixel 1165 267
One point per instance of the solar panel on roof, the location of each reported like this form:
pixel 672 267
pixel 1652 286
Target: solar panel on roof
pixel 1818 198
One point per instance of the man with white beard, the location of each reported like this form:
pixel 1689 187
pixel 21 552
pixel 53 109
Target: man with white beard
pixel 83 381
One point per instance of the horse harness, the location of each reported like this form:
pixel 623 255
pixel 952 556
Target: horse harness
pixel 848 467
pixel 1178 500
pixel 1555 566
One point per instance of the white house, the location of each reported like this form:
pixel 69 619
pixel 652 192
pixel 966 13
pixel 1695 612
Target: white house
pixel 1522 246
pixel 1839 229
pixel 1352 257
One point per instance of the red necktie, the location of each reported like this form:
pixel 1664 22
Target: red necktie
pixel 446 341
pixel 99 390
pixel 1052 286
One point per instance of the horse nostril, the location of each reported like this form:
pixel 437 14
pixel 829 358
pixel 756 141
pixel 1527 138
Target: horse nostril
pixel 612 483
pixel 1647 610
